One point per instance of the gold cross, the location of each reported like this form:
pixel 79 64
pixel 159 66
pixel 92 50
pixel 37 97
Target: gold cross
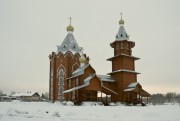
pixel 70 20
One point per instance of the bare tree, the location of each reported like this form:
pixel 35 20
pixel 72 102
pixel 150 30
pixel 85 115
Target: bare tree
pixel 12 92
pixel 1 92
pixel 45 95
pixel 170 97
pixel 157 99
pixel 178 99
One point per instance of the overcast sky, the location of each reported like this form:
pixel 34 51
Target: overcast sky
pixel 31 29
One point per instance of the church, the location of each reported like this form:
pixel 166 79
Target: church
pixel 72 78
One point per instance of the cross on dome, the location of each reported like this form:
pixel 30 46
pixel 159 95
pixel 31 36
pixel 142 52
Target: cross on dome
pixel 70 19
pixel 70 28
pixel 121 15
pixel 121 22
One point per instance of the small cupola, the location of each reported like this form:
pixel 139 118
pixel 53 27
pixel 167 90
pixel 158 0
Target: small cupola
pixel 121 22
pixel 121 35
pixel 70 28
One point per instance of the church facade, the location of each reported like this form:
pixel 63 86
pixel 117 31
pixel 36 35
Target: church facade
pixel 72 78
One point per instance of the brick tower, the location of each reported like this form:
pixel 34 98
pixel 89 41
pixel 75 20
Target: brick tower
pixel 123 67
pixel 62 64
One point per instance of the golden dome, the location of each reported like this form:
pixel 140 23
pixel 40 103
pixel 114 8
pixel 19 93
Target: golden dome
pixel 121 21
pixel 70 28
pixel 82 59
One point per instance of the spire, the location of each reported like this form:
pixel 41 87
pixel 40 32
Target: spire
pixel 70 28
pixel 122 35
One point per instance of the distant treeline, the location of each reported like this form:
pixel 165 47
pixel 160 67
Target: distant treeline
pixel 160 99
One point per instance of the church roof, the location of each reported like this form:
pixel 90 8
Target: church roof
pixel 86 83
pixel 132 85
pixel 79 71
pixel 105 78
pixel 19 94
pixel 136 58
pixel 75 88
pixel 124 70
pixel 122 34
pixel 69 44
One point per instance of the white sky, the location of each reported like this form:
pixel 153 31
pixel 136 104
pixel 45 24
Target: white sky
pixel 31 30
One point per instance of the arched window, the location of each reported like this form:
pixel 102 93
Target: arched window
pixel 121 45
pixel 61 81
pixel 61 89
pixel 61 77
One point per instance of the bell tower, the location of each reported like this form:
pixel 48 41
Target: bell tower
pixel 123 67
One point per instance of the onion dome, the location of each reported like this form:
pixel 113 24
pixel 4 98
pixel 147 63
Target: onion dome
pixel 70 28
pixel 121 21
pixel 82 59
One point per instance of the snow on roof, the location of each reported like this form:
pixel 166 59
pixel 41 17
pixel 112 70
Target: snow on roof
pixel 132 85
pixel 86 83
pixel 75 88
pixel 130 89
pixel 124 70
pixel 105 78
pixel 69 44
pixel 109 89
pixel 87 80
pixel 122 35
pixel 79 71
pixel 136 58
pixel 23 94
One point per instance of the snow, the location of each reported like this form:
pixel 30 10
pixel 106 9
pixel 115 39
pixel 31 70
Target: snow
pixel 109 89
pixel 86 83
pixel 87 80
pixel 79 71
pixel 75 88
pixel 124 70
pixel 133 85
pixel 105 78
pixel 69 44
pixel 136 58
pixel 130 89
pixel 90 111
pixel 23 94
pixel 121 35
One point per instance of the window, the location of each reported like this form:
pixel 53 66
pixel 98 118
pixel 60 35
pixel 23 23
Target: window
pixel 73 94
pixel 61 81
pixel 61 77
pixel 69 83
pixel 127 45
pixel 61 89
pixel 77 81
pixel 51 78
pixel 121 45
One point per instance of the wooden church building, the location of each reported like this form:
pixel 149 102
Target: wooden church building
pixel 72 78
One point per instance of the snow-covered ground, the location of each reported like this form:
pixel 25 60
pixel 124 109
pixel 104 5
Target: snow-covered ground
pixel 43 111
